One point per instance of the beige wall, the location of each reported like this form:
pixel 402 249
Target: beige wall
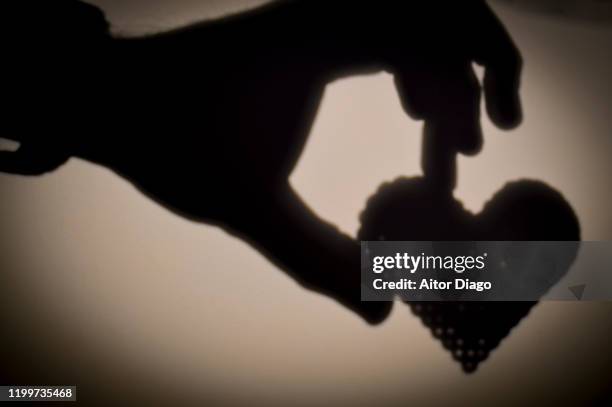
pixel 110 290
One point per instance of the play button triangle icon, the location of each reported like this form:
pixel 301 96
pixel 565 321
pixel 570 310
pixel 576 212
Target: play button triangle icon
pixel 577 290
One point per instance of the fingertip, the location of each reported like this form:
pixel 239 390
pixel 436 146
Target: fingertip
pixel 502 101
pixel 503 62
pixel 506 115
pixel 467 137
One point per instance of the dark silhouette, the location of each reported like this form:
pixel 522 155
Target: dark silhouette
pixel 415 209
pixel 210 120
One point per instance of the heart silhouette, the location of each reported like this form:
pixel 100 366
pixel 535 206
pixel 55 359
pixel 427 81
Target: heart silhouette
pixel 413 209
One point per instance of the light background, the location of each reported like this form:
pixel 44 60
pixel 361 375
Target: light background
pixel 104 287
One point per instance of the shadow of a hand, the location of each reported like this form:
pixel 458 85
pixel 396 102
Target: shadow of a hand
pixel 210 120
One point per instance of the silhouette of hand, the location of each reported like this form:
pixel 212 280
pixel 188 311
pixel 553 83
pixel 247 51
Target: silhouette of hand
pixel 429 47
pixel 210 120
pixel 437 83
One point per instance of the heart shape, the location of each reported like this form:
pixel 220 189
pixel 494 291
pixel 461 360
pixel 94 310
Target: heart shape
pixel 412 209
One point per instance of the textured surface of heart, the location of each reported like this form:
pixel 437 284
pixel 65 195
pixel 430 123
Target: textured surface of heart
pixel 410 209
